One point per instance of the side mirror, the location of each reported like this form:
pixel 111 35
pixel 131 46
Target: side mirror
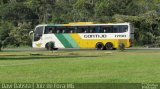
pixel 30 33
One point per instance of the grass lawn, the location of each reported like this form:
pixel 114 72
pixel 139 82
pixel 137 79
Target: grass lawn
pixel 84 66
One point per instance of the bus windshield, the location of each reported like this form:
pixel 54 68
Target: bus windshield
pixel 38 33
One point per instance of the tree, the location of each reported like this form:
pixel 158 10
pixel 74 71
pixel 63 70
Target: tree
pixel 5 29
pixel 21 34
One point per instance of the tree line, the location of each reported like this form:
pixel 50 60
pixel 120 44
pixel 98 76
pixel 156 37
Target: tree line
pixel 19 17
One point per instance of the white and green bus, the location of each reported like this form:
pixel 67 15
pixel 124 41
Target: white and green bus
pixel 84 35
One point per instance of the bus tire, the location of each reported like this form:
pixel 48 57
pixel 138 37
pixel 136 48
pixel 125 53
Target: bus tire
pixel 99 46
pixel 109 46
pixel 47 46
pixel 50 46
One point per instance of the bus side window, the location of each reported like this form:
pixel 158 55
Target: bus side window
pixel 98 29
pixel 57 31
pixel 104 30
pixel 110 29
pixel 79 30
pixel 92 30
pixel 82 29
pixel 50 30
pixel 124 28
pixel 70 30
pixel 53 29
pixel 47 30
pixel 60 29
pixel 63 31
pixel 76 29
pixel 120 29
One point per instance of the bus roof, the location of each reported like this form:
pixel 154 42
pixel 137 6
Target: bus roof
pixel 84 24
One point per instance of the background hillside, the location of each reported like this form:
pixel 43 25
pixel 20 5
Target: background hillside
pixel 18 17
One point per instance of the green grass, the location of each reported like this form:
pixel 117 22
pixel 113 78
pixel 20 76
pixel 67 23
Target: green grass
pixel 130 66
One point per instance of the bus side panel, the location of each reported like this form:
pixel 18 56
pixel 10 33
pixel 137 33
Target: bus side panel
pixel 67 41
pixel 91 43
pixel 52 37
pixel 75 41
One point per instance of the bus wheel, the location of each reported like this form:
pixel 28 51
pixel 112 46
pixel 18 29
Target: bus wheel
pixel 109 46
pixel 47 46
pixel 50 46
pixel 99 46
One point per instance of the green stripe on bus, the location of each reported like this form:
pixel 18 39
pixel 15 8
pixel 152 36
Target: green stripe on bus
pixel 63 40
pixel 71 41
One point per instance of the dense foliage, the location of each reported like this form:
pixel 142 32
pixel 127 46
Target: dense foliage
pixel 18 17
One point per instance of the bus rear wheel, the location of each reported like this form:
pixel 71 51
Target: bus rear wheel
pixel 109 46
pixel 99 46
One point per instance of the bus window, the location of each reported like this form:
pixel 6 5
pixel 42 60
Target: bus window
pixel 114 29
pixel 98 29
pixel 120 28
pixel 63 31
pixel 124 28
pixel 48 31
pixel 107 29
pixel 38 33
pixel 57 31
pixel 53 29
pixel 82 29
pixel 92 29
pixel 70 30
pixel 60 29
pixel 101 30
